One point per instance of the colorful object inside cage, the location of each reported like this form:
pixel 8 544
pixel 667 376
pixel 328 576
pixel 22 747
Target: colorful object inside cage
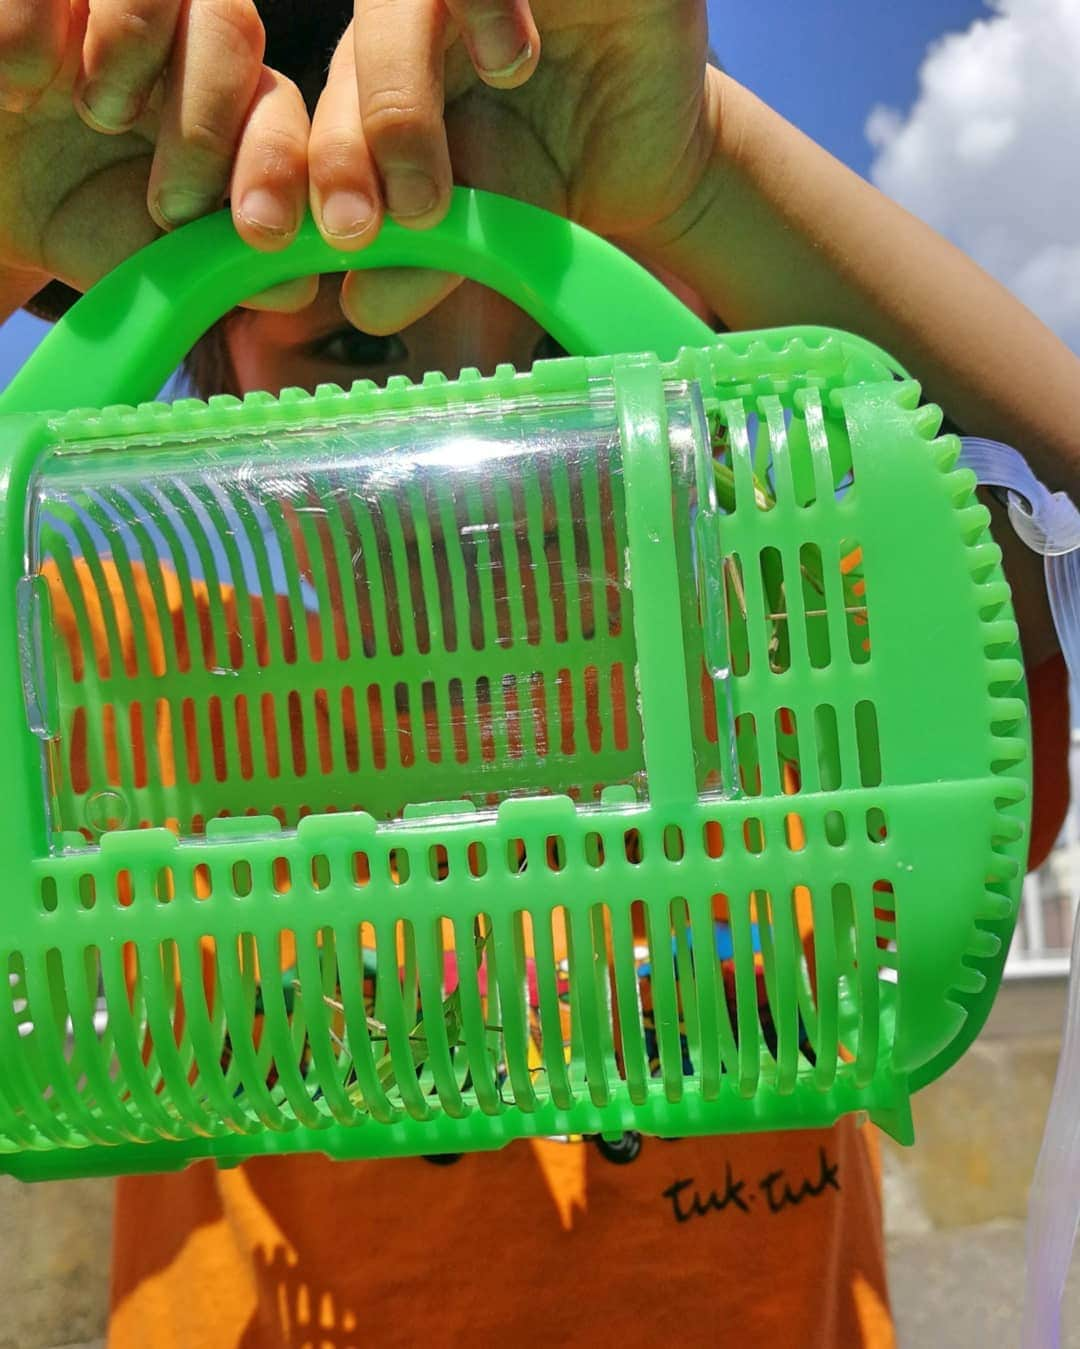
pixel 634 743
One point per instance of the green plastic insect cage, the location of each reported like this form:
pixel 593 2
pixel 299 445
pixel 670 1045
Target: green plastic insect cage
pixel 635 743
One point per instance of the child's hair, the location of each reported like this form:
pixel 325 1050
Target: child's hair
pixel 301 38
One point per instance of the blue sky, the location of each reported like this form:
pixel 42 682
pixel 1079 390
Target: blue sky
pixel 824 64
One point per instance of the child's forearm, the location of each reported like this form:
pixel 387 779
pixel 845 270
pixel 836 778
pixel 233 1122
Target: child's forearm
pixel 782 233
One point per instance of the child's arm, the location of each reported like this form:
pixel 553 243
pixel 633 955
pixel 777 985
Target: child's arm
pixel 779 232
pixel 638 140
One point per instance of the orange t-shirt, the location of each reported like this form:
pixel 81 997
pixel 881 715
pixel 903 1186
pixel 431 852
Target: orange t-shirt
pixel 761 1239
pixel 751 1240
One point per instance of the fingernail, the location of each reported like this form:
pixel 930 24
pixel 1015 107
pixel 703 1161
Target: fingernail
pixel 347 214
pixel 267 211
pixel 108 109
pixel 176 205
pixel 498 46
pixel 410 192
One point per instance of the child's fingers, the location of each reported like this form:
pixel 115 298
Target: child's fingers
pixel 345 195
pixel 287 298
pixel 501 37
pixel 125 49
pixel 33 39
pixel 391 298
pixel 269 182
pixel 269 185
pixel 214 71
pixel 399 76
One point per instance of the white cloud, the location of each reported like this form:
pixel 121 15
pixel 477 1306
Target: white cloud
pixel 990 151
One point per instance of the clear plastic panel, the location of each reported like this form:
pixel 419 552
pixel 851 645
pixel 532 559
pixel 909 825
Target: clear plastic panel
pixel 359 614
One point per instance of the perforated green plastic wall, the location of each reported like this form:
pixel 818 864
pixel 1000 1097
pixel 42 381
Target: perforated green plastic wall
pixel 677 783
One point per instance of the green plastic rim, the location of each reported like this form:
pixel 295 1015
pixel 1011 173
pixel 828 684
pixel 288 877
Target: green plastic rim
pixel 124 339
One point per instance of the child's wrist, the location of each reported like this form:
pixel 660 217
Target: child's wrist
pixel 687 242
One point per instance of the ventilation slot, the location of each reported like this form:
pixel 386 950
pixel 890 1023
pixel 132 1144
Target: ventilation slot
pixel 510 586
pixel 855 602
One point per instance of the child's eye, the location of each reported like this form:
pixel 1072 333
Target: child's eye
pixel 547 349
pixel 351 347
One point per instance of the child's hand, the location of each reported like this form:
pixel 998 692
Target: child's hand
pixel 610 124
pixel 378 137
pixel 139 114
pixel 118 117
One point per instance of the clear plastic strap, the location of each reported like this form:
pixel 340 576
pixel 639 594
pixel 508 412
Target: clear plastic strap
pixel 1049 523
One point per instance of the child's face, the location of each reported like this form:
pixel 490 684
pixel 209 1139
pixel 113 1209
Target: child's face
pixel 470 327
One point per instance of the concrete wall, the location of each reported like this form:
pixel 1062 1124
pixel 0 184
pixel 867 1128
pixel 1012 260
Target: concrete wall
pixel 955 1204
pixel 979 1127
pixel 54 1255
